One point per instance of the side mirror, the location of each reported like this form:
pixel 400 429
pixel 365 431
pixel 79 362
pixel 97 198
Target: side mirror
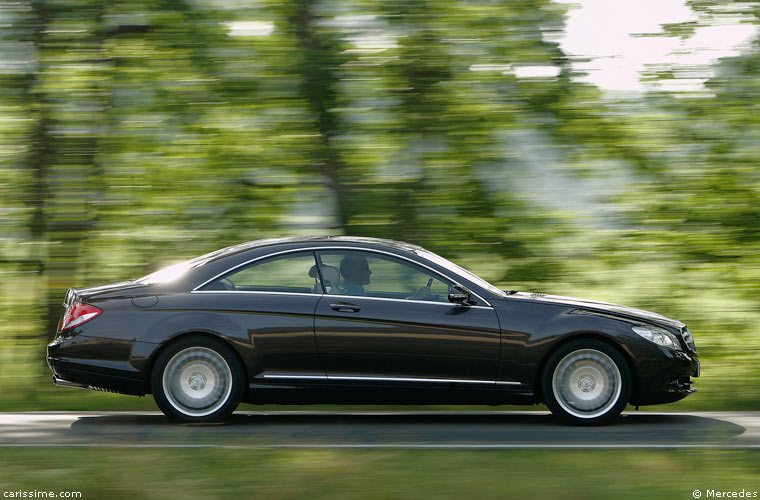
pixel 460 295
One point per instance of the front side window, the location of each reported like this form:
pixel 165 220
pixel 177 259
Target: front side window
pixel 362 273
pixel 290 273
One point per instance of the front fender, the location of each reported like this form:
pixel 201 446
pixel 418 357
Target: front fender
pixel 532 331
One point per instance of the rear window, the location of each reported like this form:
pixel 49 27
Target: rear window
pixel 289 273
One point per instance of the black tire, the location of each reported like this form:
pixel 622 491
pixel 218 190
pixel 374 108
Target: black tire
pixel 197 379
pixel 586 382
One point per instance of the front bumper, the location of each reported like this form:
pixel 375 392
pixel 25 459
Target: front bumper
pixel 666 380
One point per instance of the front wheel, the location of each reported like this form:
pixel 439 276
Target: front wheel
pixel 197 379
pixel 586 382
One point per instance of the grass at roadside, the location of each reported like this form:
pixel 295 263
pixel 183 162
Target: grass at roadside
pixel 376 474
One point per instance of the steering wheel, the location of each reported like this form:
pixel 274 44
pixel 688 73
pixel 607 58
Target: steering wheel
pixel 430 296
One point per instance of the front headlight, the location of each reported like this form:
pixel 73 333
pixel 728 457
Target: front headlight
pixel 659 336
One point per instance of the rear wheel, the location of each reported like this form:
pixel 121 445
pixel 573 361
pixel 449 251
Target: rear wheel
pixel 197 379
pixel 587 382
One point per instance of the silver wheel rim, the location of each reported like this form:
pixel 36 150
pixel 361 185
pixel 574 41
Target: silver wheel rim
pixel 197 381
pixel 587 383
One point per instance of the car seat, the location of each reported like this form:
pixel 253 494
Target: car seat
pixel 331 277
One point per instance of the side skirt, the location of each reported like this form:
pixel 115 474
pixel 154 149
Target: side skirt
pixel 353 392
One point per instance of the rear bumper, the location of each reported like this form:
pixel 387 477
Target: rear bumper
pixel 81 376
pixel 78 376
pixel 88 363
pixel 67 383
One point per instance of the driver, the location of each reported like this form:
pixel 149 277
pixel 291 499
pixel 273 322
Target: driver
pixel 356 272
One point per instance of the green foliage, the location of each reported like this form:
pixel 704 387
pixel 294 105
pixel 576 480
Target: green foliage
pixel 138 133
pixel 154 473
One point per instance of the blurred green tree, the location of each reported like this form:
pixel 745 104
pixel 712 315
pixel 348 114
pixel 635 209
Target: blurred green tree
pixel 135 134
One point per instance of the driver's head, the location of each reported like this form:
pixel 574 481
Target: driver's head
pixel 355 269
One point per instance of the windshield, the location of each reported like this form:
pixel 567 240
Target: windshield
pixel 460 271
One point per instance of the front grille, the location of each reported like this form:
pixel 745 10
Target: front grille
pixel 689 339
pixel 681 384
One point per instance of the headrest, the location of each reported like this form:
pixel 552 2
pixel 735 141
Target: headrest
pixel 313 273
pixel 329 273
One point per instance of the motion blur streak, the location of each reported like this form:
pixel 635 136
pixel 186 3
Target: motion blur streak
pixel 150 132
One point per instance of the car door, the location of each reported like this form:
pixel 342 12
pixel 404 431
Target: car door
pixel 273 298
pixel 389 320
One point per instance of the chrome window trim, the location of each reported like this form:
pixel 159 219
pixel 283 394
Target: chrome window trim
pixel 259 291
pixel 313 250
pixel 387 379
pixel 405 301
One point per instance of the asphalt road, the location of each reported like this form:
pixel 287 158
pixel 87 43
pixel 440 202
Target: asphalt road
pixel 317 429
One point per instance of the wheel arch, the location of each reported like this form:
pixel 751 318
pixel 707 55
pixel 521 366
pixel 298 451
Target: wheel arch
pixel 590 335
pixel 193 333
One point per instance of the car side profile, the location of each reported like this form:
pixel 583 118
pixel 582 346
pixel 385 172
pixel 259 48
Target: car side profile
pixel 361 321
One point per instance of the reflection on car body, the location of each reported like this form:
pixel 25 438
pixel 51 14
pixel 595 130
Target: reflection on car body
pixel 361 320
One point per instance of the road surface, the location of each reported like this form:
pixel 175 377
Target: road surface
pixel 379 429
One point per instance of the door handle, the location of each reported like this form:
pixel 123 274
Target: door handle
pixel 345 307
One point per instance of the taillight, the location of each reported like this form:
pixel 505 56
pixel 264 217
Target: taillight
pixel 77 314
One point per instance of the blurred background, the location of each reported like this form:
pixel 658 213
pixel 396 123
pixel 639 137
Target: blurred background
pixel 607 150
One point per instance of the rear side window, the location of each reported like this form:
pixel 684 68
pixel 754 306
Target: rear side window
pixel 290 273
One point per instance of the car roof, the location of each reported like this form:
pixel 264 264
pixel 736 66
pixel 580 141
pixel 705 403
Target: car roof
pixel 222 253
pixel 225 252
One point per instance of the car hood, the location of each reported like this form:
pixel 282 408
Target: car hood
pixel 605 307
